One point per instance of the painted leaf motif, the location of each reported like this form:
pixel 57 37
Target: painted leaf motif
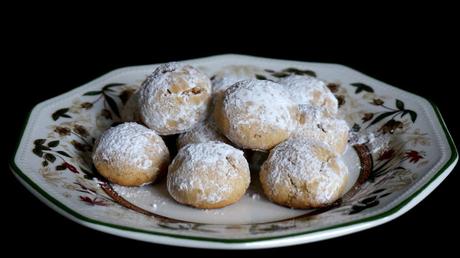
pixel 71 168
pixel 413 115
pixel 382 116
pixel 53 144
pixel 38 152
pixel 112 104
pixel 50 157
pixel 300 72
pixel 310 73
pixel 63 153
pixel 399 104
pixel 92 202
pixel 92 93
pixel 361 87
pixel 39 141
pixel 111 85
pixel 61 167
pixel 280 74
pixel 60 113
pixel 260 77
pixel 42 147
pixel 369 199
pixel 384 195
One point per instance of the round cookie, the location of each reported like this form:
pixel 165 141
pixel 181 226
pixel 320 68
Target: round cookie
pixel 316 124
pixel 311 91
pixel 203 132
pixel 256 114
pixel 130 155
pixel 208 175
pixel 303 174
pixel 130 112
pixel 174 98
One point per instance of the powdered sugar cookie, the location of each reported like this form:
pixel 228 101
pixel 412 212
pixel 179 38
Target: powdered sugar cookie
pixel 130 155
pixel 174 98
pixel 208 175
pixel 310 91
pixel 256 114
pixel 302 173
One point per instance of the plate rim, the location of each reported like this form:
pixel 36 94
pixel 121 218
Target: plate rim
pixel 238 243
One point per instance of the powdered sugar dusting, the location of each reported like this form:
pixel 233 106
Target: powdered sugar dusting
pixel 311 91
pixel 144 196
pixel 298 162
pixel 174 98
pixel 376 142
pixel 129 144
pixel 255 196
pixel 259 102
pixel 208 169
pixel 317 124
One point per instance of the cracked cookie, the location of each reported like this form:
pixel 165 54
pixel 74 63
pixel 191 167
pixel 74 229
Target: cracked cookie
pixel 308 90
pixel 256 114
pixel 316 124
pixel 130 155
pixel 208 175
pixel 174 98
pixel 301 173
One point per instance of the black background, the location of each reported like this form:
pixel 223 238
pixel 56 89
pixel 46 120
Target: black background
pixel 50 58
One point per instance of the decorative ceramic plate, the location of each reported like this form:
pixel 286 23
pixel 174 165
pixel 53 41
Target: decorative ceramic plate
pixel 53 162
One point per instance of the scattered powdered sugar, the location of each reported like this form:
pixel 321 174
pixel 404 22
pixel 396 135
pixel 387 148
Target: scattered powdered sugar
pixel 129 144
pixel 311 91
pixel 375 142
pixel 129 192
pixel 359 138
pixel 174 98
pixel 209 169
pixel 256 102
pixel 158 204
pixel 97 181
pixel 141 195
pixel 215 212
pixel 300 164
pixel 255 196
